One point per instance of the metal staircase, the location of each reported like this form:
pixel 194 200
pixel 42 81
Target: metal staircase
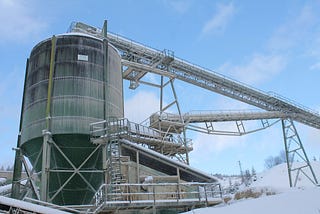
pixel 115 170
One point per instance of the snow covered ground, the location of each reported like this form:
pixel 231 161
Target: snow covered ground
pixel 2 181
pixel 304 198
pixel 295 201
pixel 277 177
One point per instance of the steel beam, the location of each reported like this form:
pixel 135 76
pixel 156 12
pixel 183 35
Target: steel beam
pixel 297 159
pixel 140 58
pixel 46 151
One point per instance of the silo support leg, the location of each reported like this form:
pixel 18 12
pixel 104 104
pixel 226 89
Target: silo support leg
pixel 104 162
pixel 15 192
pixel 45 165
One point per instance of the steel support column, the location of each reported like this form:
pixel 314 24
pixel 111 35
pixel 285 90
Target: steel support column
pixel 164 108
pixel 297 159
pixel 46 151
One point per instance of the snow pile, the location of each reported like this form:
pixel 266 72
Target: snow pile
pixel 276 196
pixel 5 189
pixel 2 181
pixel 277 177
pixel 28 207
pixel 227 181
pixel 295 201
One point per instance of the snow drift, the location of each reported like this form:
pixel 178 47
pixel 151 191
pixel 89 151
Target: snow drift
pixel 304 198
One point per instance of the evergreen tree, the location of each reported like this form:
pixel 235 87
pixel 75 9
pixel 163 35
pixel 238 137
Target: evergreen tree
pixel 253 171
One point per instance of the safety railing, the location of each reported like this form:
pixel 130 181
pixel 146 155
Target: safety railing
pixel 158 193
pixel 293 103
pixel 203 76
pixel 114 127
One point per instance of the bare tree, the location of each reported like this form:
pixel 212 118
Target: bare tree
pixel 272 161
pixel 269 162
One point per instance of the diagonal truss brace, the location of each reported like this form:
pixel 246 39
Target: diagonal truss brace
pixel 30 179
pixel 140 59
pixel 75 170
pixel 48 144
pixel 297 159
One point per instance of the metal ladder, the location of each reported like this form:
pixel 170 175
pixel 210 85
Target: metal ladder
pixel 115 171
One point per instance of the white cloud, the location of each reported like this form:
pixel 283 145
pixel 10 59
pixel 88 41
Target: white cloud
pixel 296 31
pixel 314 48
pixel 18 22
pixel 180 6
pixel 258 69
pixel 315 66
pixel 300 35
pixel 212 150
pixel 219 21
pixel 313 52
pixel 141 106
pixel 205 144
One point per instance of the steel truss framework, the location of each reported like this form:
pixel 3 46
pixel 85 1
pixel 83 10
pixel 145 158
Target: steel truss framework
pixel 295 151
pixel 139 60
pixel 45 158
pixel 48 146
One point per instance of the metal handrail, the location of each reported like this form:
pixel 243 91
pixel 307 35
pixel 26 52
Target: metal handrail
pixel 186 71
pixel 124 127
pixel 153 193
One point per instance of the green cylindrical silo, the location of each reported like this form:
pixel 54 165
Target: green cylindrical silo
pixel 72 80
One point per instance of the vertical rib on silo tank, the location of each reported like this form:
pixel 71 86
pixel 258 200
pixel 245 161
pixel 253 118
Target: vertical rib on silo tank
pixel 85 89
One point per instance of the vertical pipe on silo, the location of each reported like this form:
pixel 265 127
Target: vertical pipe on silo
pixel 105 70
pixel 46 150
pixel 50 83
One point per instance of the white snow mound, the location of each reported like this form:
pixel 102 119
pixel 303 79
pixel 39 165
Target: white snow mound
pixel 304 198
pixel 277 177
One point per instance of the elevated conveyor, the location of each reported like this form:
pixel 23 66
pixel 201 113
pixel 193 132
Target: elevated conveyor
pixel 207 79
pixel 139 59
pixel 222 116
pixel 167 120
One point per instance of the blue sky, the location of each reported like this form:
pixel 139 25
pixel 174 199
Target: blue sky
pixel 270 45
